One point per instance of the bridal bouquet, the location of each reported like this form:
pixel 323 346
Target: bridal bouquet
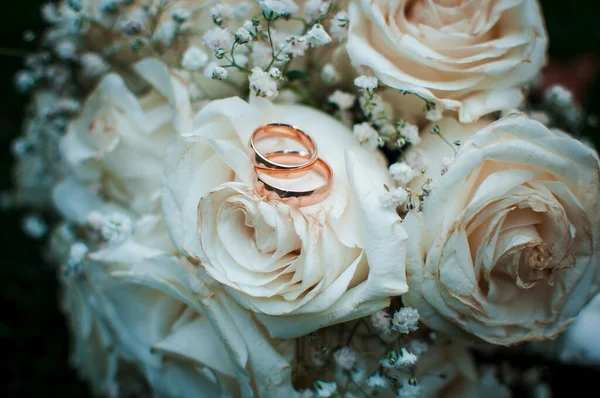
pixel 313 198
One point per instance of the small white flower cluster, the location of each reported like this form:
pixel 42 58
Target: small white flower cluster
pixel 405 320
pixel 402 173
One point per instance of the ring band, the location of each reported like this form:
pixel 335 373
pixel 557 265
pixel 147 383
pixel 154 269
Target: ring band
pixel 297 198
pixel 265 162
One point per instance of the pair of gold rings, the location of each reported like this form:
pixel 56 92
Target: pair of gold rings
pixel 287 164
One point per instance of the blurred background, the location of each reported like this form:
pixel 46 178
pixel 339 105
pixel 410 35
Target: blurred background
pixel 33 335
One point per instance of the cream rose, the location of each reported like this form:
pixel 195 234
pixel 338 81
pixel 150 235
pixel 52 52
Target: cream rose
pixel 119 140
pixel 187 338
pixel 468 56
pixel 506 247
pixel 299 269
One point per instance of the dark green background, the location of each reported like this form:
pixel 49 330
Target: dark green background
pixel 34 342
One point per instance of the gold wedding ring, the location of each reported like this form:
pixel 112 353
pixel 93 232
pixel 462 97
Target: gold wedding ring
pixel 263 161
pixel 285 164
pixel 295 197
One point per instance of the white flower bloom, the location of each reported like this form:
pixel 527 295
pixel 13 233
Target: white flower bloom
pixel 95 220
pixel 194 59
pixel 66 49
pixel 166 32
pixel 295 46
pixel 394 198
pixel 221 11
pixel 317 36
pixel 242 36
pixel 339 26
pixel 366 135
pixel 534 236
pixel 381 321
pixel 409 389
pixel 403 173
pixel 35 226
pixel 263 84
pixel 218 38
pixel 405 320
pixel 278 7
pixel 180 15
pixel 406 358
pixel 24 81
pixel 449 52
pixel 329 75
pixel 315 9
pixel 342 100
pixel 558 96
pixel 116 227
pixel 367 83
pixel 219 73
pixel 287 310
pixel 433 112
pixel 119 139
pixel 377 380
pixel 93 65
pixel 345 358
pixel 325 389
pixel 411 133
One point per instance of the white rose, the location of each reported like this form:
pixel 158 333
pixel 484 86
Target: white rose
pixel 299 268
pixel 506 245
pixel 185 337
pixel 468 56
pixel 119 140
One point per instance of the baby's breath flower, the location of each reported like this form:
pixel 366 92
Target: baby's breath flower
pixel 218 38
pixel 77 253
pixel 345 358
pixel 24 81
pixel 194 59
pixel 180 15
pixel 558 96
pixel 377 380
pixel 116 228
pixel 329 75
pixel 221 12
pixel 262 84
pixel 275 73
pixel 367 83
pixel 66 50
pixel 219 73
pixel 95 220
pixel 342 100
pixel 410 389
pixel 315 9
pixel 93 65
pixel 166 32
pixel 433 111
pixel 402 173
pixel 410 132
pixel 35 226
pixel 405 320
pixel 317 36
pixel 277 7
pixel 339 26
pixel 325 389
pixel 394 359
pixel 295 46
pixel 366 135
pixel 394 198
pixel 242 36
pixel 381 321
